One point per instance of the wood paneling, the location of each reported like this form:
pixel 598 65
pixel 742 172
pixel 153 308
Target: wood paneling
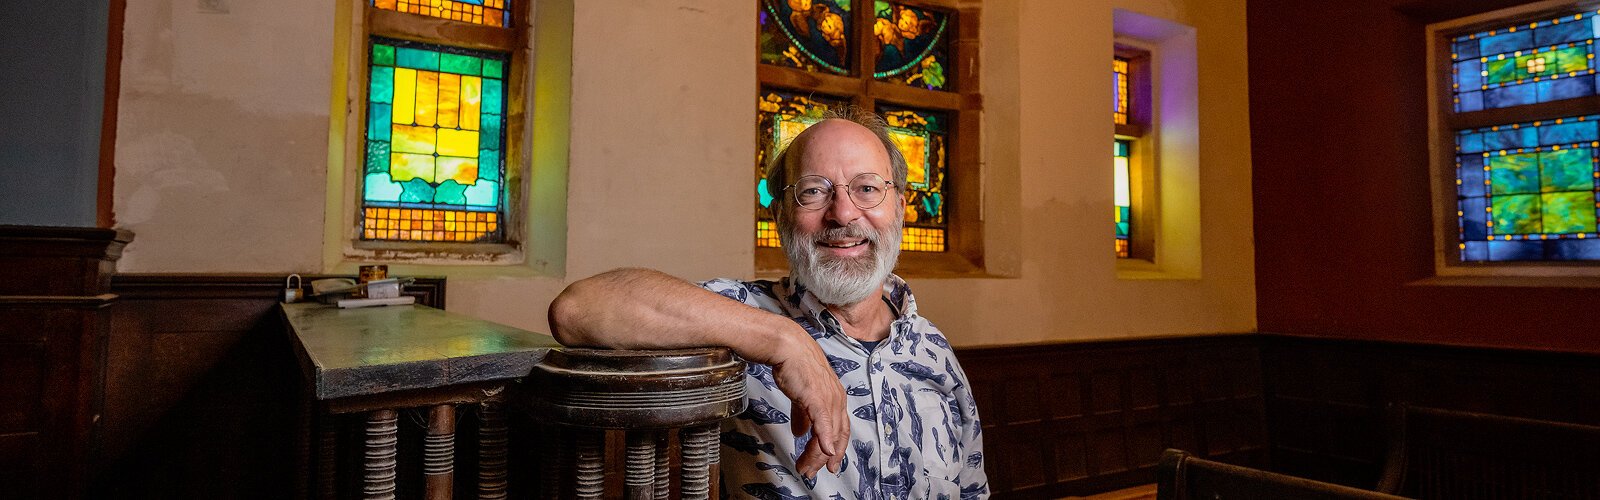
pixel 201 387
pixel 53 323
pixel 1081 418
pixel 1325 398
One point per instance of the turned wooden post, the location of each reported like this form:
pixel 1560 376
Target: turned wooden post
pixel 382 439
pixel 439 453
pixel 643 393
pixel 491 451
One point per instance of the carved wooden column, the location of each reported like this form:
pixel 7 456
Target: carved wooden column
pixel 644 393
pixel 382 448
pixel 491 451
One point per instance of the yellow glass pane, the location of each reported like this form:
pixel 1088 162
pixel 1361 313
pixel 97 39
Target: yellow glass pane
pixel 411 139
pixel 427 97
pixel 471 100
pixel 405 94
pixel 449 99
pixel 405 166
pixel 462 143
pixel 914 148
pixel 462 170
pixel 384 4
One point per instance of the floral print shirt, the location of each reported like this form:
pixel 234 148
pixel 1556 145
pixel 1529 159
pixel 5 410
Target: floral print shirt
pixel 914 430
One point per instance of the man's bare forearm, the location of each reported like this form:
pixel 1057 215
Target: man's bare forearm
pixel 646 309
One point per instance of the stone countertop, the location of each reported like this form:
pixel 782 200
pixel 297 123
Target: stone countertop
pixel 377 350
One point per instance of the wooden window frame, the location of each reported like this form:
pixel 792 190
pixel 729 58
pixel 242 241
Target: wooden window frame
pixel 1141 155
pixel 1444 122
pixel 513 40
pixel 963 255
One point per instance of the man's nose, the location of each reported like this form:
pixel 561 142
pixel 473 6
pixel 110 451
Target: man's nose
pixel 843 210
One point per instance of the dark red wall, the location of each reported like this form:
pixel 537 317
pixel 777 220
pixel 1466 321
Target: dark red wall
pixel 1338 122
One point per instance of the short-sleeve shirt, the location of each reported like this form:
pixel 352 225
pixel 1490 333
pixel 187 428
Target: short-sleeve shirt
pixel 914 429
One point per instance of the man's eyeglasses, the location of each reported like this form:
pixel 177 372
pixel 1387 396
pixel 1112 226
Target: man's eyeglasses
pixel 815 192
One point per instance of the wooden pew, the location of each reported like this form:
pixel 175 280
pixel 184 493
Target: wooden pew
pixel 1437 453
pixel 1181 476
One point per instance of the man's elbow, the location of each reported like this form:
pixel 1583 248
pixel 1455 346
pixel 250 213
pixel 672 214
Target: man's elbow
pixel 566 316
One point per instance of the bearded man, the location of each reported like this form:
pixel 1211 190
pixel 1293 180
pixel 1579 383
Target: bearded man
pixel 843 371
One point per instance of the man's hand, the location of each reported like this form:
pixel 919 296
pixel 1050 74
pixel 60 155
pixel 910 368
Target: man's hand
pixel 817 404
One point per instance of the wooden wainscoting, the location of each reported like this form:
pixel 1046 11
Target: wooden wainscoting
pixel 201 387
pixel 1325 397
pixel 1072 419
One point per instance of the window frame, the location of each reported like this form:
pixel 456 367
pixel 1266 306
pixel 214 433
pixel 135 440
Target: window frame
pixel 1443 124
pixel 964 251
pixel 1139 131
pixel 513 40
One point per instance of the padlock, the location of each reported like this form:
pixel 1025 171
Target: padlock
pixel 291 289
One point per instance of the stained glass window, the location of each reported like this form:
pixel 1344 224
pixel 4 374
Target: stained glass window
pixel 783 115
pixel 913 46
pixel 1123 196
pixel 1525 63
pixel 1527 191
pixel 807 34
pixel 485 12
pixel 1119 96
pixel 921 137
pixel 435 134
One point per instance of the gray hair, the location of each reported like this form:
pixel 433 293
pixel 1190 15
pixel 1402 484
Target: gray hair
pixel 777 168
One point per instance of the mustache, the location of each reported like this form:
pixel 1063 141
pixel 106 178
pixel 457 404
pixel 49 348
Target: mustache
pixel 851 231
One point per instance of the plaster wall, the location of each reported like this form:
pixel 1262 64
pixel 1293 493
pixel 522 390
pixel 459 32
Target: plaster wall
pixel 222 155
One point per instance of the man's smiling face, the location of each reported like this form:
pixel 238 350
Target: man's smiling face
pixel 841 251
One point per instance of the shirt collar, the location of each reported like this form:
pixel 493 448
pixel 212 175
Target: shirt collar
pixel 895 291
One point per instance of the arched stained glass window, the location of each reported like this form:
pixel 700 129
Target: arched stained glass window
pixel 900 60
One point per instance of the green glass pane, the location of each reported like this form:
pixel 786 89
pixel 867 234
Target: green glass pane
pixel 491 69
pixel 378 187
pixel 1573 59
pixel 381 88
pixel 1566 213
pixel 377 157
pixel 1532 65
pixel 382 55
pixel 483 194
pixel 378 122
pixel 450 193
pixel 408 57
pixel 1511 174
pixel 491 99
pixel 1516 214
pixel 489 164
pixel 416 191
pixel 1566 170
pixel 1501 71
pixel 460 64
pixel 490 137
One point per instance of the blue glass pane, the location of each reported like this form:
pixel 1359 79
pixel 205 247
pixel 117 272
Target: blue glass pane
pixel 1472 177
pixel 1470 143
pixel 1471 101
pixel 1565 88
pixel 1515 250
pixel 1570 249
pixel 1475 251
pixel 1568 133
pixel 1511 95
pixel 1473 217
pixel 1554 33
pixel 1466 49
pixel 1505 42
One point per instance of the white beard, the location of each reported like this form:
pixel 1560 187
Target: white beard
pixel 841 281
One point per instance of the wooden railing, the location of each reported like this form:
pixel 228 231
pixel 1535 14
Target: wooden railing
pixel 373 370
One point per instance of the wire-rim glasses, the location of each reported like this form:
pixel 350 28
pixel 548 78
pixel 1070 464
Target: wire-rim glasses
pixel 815 192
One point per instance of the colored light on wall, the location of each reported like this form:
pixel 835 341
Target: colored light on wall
pixel 434 143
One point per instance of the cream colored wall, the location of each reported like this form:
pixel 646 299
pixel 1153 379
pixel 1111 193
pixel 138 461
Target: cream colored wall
pixel 222 156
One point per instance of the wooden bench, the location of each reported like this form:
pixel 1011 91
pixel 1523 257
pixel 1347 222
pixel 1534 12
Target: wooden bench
pixel 1436 453
pixel 1183 477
